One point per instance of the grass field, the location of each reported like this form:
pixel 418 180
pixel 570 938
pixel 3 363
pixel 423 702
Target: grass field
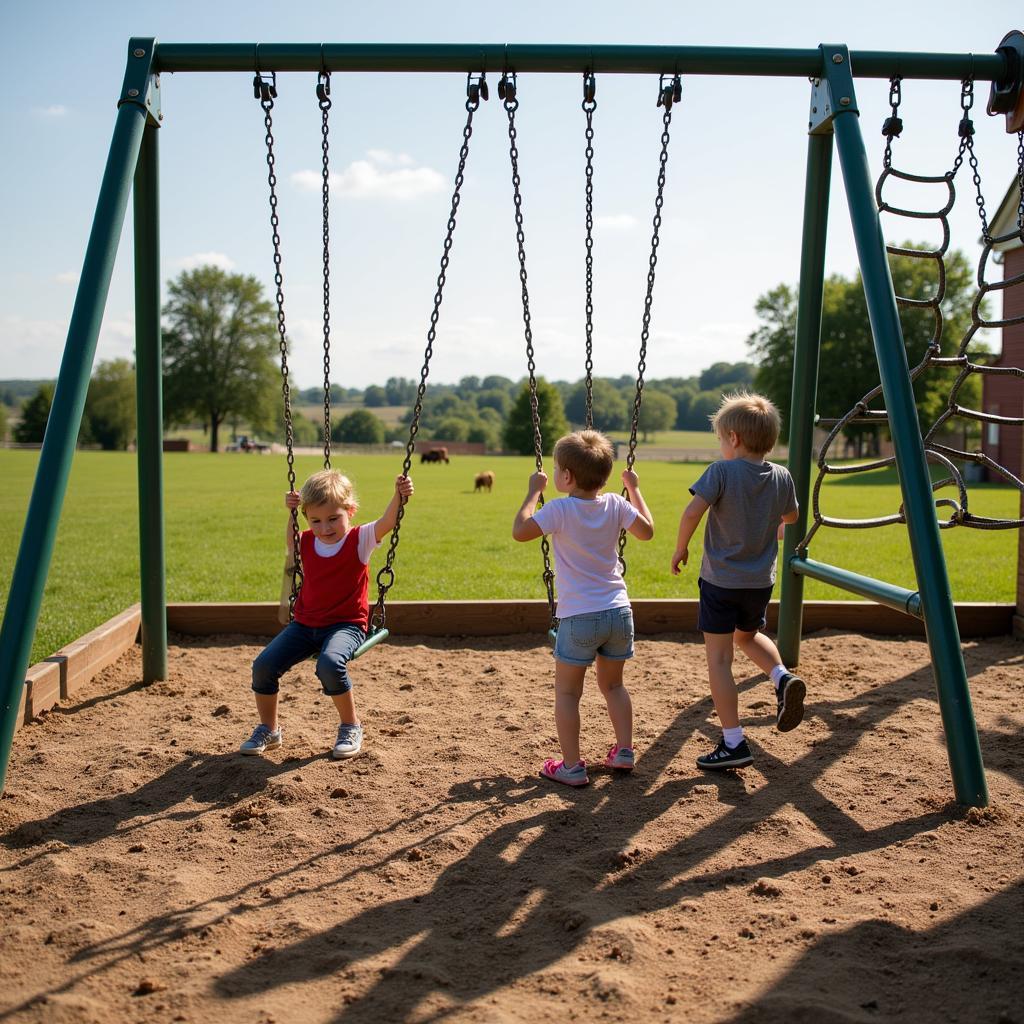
pixel 225 524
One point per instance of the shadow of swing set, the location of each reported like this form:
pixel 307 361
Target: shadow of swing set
pixel 132 167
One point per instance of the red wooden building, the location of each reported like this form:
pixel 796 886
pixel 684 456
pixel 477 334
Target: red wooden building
pixel 1004 395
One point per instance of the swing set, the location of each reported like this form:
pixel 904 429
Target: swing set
pixel 132 167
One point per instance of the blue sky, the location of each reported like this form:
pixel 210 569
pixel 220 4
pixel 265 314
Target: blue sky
pixel 733 200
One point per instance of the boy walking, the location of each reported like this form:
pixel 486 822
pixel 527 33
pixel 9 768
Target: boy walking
pixel 595 617
pixel 747 499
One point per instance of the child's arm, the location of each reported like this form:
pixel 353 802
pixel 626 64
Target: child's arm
pixel 386 523
pixel 787 520
pixel 688 522
pixel 643 526
pixel 524 527
pixel 292 500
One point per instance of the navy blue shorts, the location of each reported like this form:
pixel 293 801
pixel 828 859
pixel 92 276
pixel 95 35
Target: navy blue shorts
pixel 725 609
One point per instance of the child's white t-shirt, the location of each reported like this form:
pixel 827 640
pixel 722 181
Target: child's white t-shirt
pixel 368 543
pixel 585 536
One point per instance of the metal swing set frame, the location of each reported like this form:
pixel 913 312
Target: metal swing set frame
pixel 132 169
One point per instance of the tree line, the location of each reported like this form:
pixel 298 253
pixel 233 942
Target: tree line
pixel 221 351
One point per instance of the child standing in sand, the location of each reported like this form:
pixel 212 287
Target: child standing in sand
pixel 595 617
pixel 748 499
pixel 331 610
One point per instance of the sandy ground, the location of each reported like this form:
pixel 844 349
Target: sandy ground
pixel 149 873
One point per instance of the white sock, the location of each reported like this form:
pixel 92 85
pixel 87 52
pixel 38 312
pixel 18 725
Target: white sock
pixel 777 673
pixel 733 737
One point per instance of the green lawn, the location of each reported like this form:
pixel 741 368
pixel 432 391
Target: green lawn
pixel 225 520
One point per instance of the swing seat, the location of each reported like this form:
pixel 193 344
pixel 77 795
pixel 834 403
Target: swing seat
pixel 374 638
pixel 552 637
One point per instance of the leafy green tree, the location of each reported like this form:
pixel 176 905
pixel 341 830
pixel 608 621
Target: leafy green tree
pixel 609 405
pixel 451 428
pixel 400 391
pixel 849 368
pixel 359 427
pixel 657 412
pixel 374 397
pixel 684 397
pixel 497 382
pixel 220 342
pixel 494 398
pixel 3 421
pixel 727 377
pixel 553 424
pixel 34 414
pixel 703 406
pixel 109 414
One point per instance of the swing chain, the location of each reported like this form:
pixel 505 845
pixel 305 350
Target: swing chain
pixel 507 91
pixel 323 95
pixel 476 89
pixel 589 106
pixel 675 88
pixel 966 132
pixel 265 90
pixel 893 125
pixel 1020 184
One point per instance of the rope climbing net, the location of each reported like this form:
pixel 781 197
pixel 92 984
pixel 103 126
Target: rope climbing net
pixel 967 360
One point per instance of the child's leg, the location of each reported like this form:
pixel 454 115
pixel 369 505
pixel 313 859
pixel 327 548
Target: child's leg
pixel 568 691
pixel 759 649
pixel 718 648
pixel 332 669
pixel 616 696
pixel 294 643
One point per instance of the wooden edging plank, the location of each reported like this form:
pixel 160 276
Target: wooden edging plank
pixel 60 675
pixel 651 616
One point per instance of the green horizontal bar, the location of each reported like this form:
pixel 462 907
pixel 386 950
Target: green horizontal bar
pixel 569 59
pixel 888 594
pixel 371 641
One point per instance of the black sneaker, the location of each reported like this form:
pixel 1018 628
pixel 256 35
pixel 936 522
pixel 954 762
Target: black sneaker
pixel 790 694
pixel 726 757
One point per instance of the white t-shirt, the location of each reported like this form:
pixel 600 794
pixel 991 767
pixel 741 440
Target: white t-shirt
pixel 368 543
pixel 585 536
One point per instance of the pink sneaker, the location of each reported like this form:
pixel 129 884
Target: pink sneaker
pixel 621 758
pixel 557 772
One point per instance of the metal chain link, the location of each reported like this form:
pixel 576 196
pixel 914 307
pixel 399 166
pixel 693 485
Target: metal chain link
pixel 667 96
pixel 966 132
pixel 266 91
pixel 589 106
pixel 893 125
pixel 507 92
pixel 1020 184
pixel 386 576
pixel 323 94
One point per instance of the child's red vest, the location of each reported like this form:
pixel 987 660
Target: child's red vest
pixel 333 589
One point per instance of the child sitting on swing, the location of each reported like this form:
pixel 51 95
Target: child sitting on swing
pixel 595 617
pixel 331 610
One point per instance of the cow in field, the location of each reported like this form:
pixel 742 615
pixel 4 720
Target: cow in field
pixel 483 480
pixel 434 455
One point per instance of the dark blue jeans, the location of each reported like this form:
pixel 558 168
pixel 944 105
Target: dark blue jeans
pixel 334 646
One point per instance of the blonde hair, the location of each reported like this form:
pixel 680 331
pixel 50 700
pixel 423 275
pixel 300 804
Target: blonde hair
pixel 328 487
pixel 588 455
pixel 752 417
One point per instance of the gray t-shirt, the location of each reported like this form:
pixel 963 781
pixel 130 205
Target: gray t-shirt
pixel 747 500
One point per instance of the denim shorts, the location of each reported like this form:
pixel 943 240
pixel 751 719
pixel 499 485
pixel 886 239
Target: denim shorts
pixel 725 609
pixel 608 633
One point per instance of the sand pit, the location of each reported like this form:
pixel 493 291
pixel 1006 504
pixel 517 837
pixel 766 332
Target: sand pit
pixel 149 873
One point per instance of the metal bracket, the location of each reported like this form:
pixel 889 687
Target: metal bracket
pixel 833 92
pixel 819 120
pixel 1007 95
pixel 141 86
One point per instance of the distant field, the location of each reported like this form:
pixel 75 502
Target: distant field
pixel 699 440
pixel 225 519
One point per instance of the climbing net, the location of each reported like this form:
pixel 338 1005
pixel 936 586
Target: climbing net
pixel 965 362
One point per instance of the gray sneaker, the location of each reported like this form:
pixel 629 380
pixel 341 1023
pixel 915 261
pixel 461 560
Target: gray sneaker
pixel 262 739
pixel 348 743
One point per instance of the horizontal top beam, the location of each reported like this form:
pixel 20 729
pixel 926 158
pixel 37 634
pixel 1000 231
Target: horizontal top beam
pixel 566 59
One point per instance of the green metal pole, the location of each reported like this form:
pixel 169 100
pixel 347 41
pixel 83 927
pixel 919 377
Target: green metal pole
pixel 149 406
pixel 805 381
pixel 915 482
pixel 37 540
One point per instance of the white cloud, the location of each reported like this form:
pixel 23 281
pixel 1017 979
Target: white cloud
pixel 54 110
pixel 616 222
pixel 384 175
pixel 68 277
pixel 204 259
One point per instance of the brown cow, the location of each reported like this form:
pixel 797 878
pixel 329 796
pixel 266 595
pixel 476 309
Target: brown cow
pixel 434 455
pixel 483 480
